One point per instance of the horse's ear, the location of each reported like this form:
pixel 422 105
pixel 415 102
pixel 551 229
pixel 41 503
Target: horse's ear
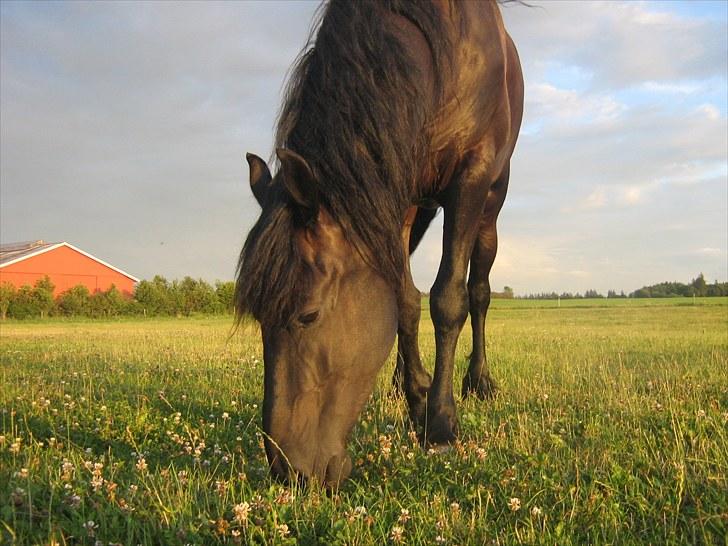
pixel 259 177
pixel 299 182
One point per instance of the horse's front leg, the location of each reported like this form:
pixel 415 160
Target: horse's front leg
pixel 463 204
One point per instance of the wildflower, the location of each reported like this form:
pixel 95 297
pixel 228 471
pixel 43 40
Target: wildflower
pixel 221 526
pixel 236 536
pixel 182 477
pixel 455 509
pixel 133 488
pixel 67 470
pixel 404 516
pixel 23 473
pixel 97 482
pixel 396 534
pixel 284 497
pixel 225 415
pixel 90 527
pixel 141 465
pixel 15 446
pixel 700 414
pixel 535 511
pixel 514 504
pixel 439 539
pixel 2 439
pixel 111 490
pixel 240 512
pixel 480 453
pixel 18 496
pixel 74 501
pixel 385 444
pixel 282 530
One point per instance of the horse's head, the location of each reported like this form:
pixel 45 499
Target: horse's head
pixel 328 320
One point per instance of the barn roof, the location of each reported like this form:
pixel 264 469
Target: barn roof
pixel 11 253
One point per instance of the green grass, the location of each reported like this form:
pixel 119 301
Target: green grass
pixel 611 427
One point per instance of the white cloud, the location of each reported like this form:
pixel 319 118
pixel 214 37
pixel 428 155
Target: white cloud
pixel 621 44
pixel 709 251
pixel 710 111
pixel 566 107
pixel 670 88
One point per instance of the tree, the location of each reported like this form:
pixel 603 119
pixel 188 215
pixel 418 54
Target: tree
pixel 23 304
pixel 225 292
pixel 154 296
pixel 7 293
pixel 699 285
pixel 75 302
pixel 197 296
pixel 508 292
pixel 591 293
pixel 108 303
pixel 43 296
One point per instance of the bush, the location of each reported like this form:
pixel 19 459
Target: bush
pixel 75 302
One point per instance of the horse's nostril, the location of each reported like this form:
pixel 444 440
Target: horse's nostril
pixel 278 465
pixel 337 470
pixel 279 468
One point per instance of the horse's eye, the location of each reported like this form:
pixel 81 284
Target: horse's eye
pixel 307 319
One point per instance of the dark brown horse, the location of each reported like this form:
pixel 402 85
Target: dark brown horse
pixel 397 109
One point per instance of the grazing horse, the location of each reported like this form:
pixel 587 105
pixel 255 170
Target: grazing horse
pixel 396 109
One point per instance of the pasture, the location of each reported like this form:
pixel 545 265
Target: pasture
pixel 611 426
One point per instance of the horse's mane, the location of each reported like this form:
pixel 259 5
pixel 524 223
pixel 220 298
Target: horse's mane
pixel 355 108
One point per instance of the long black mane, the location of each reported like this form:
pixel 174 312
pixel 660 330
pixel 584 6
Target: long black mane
pixel 356 109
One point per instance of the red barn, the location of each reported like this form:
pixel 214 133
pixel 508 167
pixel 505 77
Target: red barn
pixel 64 264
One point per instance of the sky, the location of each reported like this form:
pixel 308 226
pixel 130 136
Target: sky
pixel 124 126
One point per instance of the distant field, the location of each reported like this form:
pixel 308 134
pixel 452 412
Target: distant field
pixel 611 426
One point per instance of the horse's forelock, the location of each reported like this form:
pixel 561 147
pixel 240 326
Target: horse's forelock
pixel 272 279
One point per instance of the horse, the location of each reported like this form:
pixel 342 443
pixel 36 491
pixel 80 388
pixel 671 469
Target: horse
pixel 395 109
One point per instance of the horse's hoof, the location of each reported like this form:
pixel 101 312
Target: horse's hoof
pixel 484 388
pixel 440 430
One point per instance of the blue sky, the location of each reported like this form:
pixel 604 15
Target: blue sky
pixel 123 129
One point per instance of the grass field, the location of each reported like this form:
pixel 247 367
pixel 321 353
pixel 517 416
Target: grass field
pixel 611 427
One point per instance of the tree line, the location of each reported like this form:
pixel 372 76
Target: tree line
pixel 156 297
pixel 160 297
pixel 697 287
